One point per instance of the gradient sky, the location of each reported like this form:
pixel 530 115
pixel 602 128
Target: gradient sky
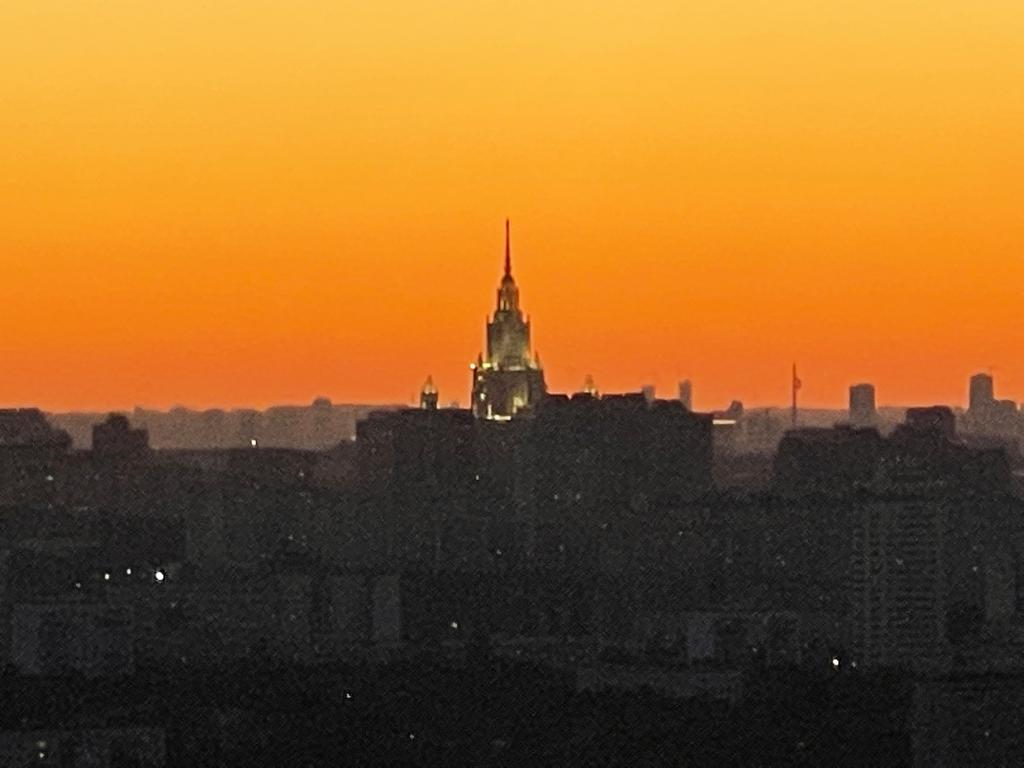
pixel 241 203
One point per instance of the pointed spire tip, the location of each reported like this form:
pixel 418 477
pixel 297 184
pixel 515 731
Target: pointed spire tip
pixel 508 250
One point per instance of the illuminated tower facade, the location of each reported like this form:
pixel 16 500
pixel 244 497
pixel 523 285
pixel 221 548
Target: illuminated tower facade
pixel 428 395
pixel 510 377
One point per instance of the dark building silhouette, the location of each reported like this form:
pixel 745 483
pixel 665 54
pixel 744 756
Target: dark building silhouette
pixel 620 449
pixel 925 524
pixel 925 453
pixel 686 394
pixel 936 420
pixel 734 411
pixel 921 452
pixel 862 405
pixel 930 547
pixel 419 467
pixel 320 425
pixel 998 421
pixel 982 391
pixel 515 492
pixel 116 438
pixel 33 455
pixel 898 616
pixel 510 377
pixel 609 461
pixel 26 429
pixel 814 461
pixel 251 603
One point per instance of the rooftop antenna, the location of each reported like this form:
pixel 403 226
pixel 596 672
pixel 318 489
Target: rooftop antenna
pixel 796 387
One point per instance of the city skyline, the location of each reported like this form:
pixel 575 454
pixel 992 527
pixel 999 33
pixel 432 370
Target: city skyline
pixel 547 383
pixel 312 205
pixel 664 386
pixel 586 384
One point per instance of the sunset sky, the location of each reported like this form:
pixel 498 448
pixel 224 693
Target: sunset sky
pixel 216 203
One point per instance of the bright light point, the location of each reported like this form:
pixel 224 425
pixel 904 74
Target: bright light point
pixel 348 695
pixel 78 585
pixel 106 577
pixel 412 736
pixel 127 571
pixel 835 662
pixel 159 575
pixel 253 442
pixel 455 625
pixel 49 478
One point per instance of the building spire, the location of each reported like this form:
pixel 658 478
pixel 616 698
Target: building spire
pixel 508 251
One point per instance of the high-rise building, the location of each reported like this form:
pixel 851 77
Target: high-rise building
pixel 899 584
pixel 862 404
pixel 418 467
pixel 982 391
pixel 428 395
pixel 590 463
pixel 686 394
pixel 510 377
pixel 988 416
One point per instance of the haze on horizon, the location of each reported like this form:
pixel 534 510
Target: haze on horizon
pixel 242 204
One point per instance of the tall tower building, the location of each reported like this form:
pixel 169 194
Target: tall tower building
pixel 862 404
pixel 899 585
pixel 982 391
pixel 510 377
pixel 686 394
pixel 428 395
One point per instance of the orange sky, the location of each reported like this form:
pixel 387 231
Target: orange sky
pixel 250 202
